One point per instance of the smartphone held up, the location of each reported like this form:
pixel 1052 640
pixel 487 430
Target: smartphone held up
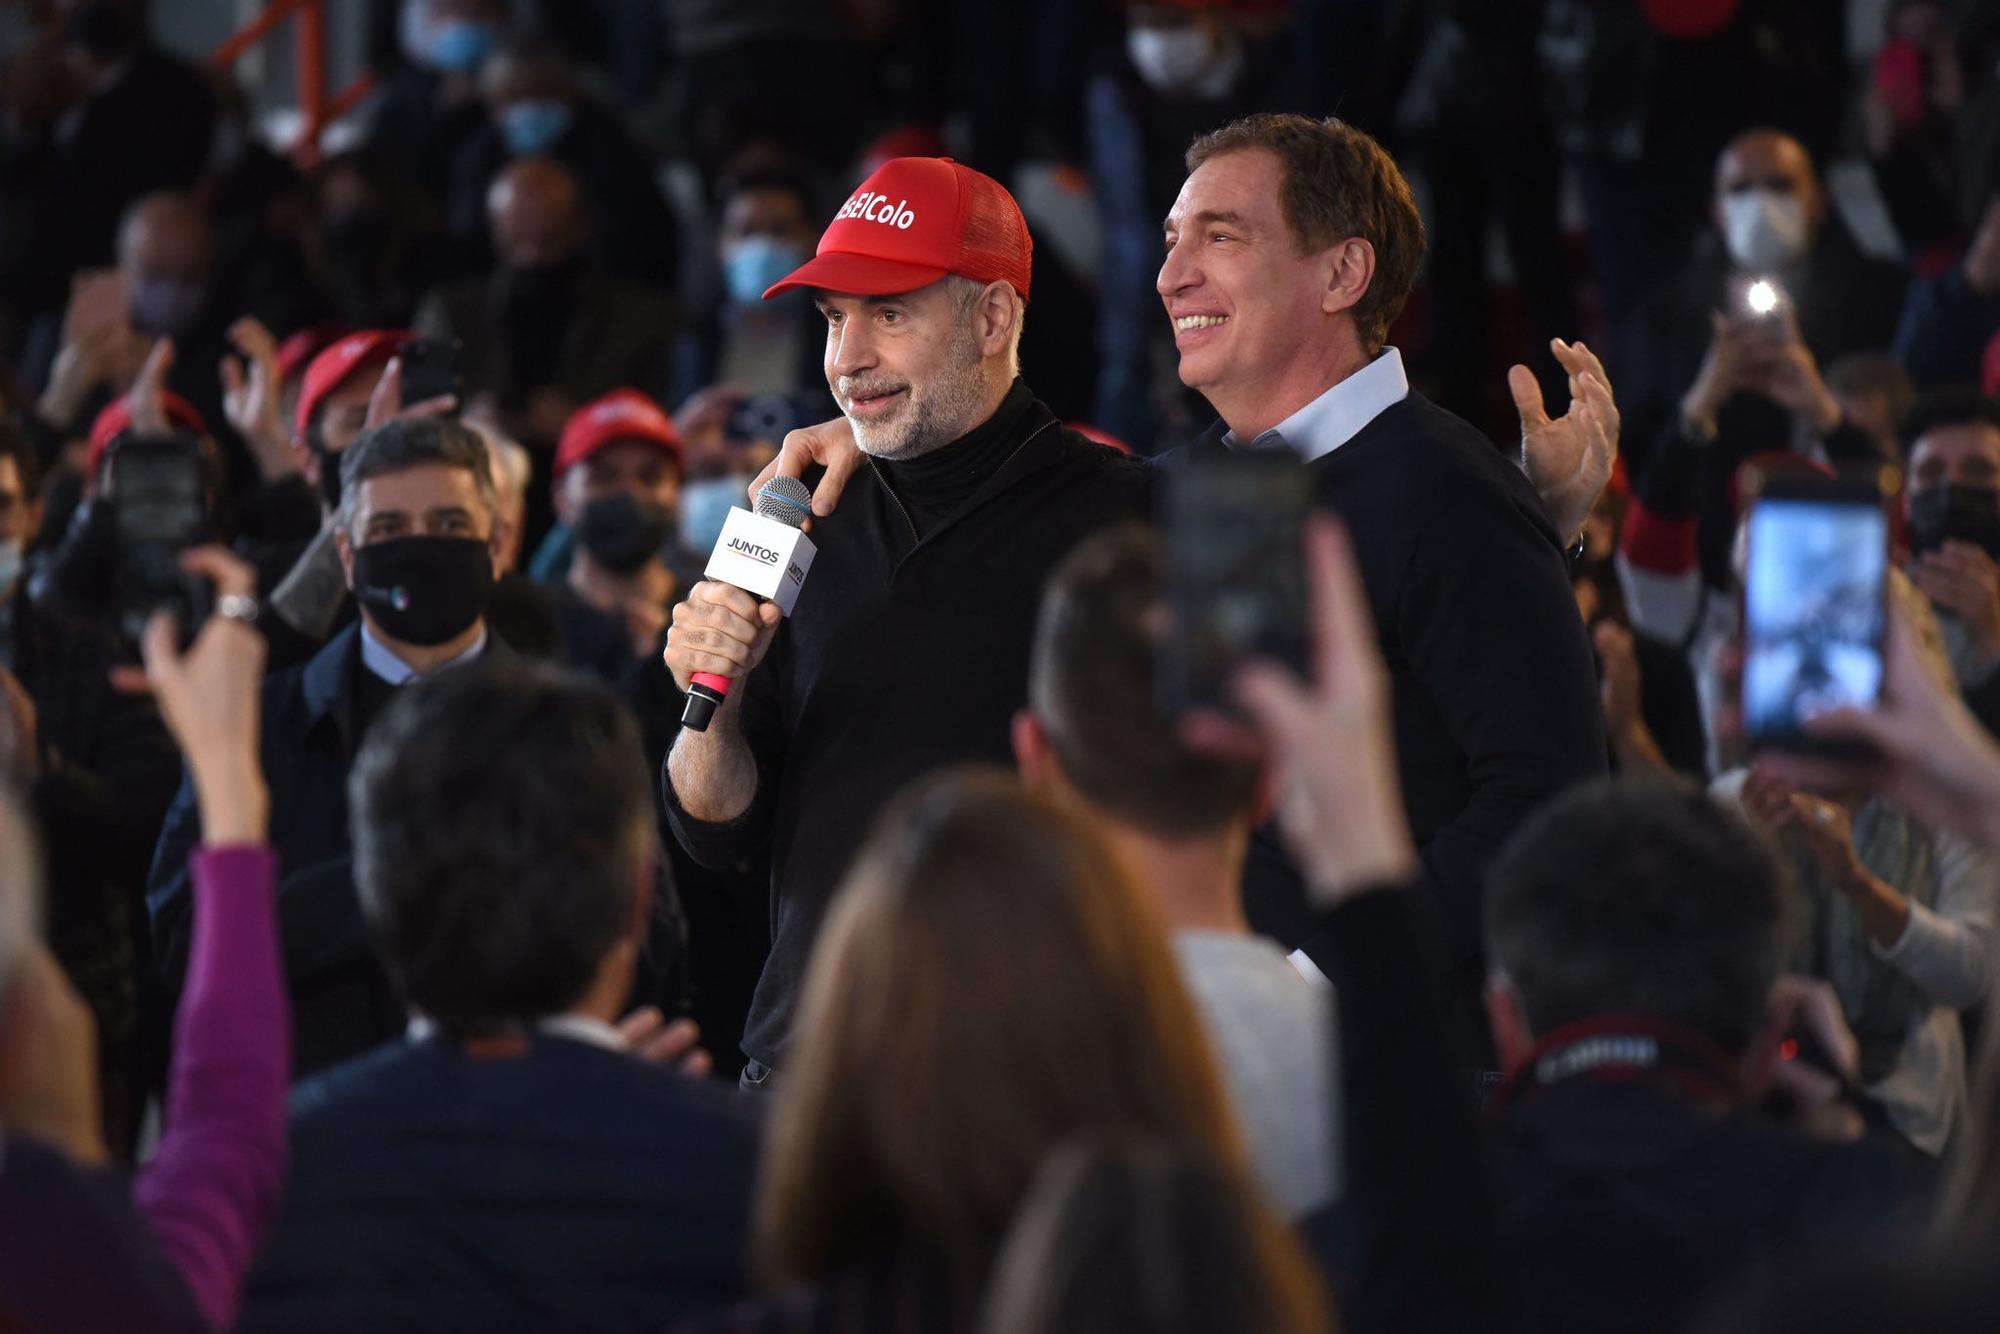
pixel 1234 537
pixel 1815 601
pixel 156 490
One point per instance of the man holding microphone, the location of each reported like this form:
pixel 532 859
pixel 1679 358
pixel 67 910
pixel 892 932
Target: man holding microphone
pixel 908 648
pixel 1291 249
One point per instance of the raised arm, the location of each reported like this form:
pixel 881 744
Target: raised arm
pixel 209 1191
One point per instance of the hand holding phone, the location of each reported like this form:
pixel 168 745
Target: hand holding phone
pixel 1814 602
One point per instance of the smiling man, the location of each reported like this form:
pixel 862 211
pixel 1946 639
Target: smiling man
pixel 1292 246
pixel 908 649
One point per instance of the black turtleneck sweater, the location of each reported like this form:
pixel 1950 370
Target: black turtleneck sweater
pixel 907 653
pixel 932 485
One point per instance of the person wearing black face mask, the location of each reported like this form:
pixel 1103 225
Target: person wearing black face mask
pixel 548 331
pixel 417 534
pixel 1952 440
pixel 308 600
pixel 617 498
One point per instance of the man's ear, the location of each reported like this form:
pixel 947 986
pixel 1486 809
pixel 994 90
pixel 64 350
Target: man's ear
pixel 1349 271
pixel 1033 755
pixel 999 308
pixel 497 543
pixel 345 545
pixel 1507 1017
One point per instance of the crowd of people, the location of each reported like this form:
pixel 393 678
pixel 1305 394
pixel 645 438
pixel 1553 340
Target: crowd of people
pixel 379 947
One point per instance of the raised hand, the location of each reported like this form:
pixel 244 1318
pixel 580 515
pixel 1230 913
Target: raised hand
pixel 1931 756
pixel 1331 741
pixel 250 397
pixel 386 403
pixel 149 406
pixel 1568 458
pixel 1962 579
pixel 210 698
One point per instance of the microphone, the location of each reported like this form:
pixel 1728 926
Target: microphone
pixel 763 554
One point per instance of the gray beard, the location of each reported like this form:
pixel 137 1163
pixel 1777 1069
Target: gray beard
pixel 948 409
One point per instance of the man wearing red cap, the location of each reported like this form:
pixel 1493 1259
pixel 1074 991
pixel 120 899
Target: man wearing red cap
pixel 1292 247
pixel 617 501
pixel 907 650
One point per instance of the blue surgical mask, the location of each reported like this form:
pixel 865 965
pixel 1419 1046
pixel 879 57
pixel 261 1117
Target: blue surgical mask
pixel 705 507
pixel 534 126
pixel 168 306
pixel 755 263
pixel 460 46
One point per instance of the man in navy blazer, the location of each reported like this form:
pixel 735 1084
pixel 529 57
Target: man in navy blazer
pixel 509 1164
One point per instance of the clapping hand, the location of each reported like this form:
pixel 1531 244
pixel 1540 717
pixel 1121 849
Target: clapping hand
pixel 1568 458
pixel 250 397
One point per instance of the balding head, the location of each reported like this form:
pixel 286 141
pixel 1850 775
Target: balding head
pixel 165 252
pixel 1772 161
pixel 536 210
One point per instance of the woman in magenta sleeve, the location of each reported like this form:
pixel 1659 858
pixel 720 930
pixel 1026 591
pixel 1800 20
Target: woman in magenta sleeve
pixel 77 1251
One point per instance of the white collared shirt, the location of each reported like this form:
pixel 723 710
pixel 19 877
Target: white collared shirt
pixel 1337 416
pixel 582 1028
pixel 380 660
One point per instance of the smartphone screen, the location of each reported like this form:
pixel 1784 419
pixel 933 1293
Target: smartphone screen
pixel 1235 572
pixel 158 500
pixel 1814 608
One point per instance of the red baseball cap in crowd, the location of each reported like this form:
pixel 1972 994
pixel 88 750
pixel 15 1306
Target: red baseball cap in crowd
pixel 350 356
pixel 916 220
pixel 297 351
pixel 116 420
pixel 622 414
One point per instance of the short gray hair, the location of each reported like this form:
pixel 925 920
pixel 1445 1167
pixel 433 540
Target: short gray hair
pixel 20 887
pixel 965 293
pixel 415 442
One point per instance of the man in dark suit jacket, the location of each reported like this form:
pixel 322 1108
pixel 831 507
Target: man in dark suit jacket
pixel 548 332
pixel 419 534
pixel 510 1165
pixel 1292 247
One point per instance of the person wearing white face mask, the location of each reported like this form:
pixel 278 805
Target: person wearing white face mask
pixel 768 227
pixel 1726 363
pixel 1186 66
pixel 1772 221
pixel 1184 54
pixel 429 109
pixel 538 106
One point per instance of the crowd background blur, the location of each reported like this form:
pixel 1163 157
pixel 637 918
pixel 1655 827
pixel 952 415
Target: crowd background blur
pixel 1777 221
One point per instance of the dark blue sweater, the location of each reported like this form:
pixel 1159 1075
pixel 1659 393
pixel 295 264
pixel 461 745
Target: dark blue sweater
pixel 557 1186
